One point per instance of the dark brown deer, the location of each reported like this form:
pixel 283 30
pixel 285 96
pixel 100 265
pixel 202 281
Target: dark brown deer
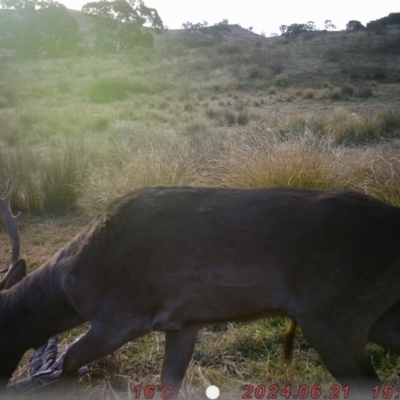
pixel 175 259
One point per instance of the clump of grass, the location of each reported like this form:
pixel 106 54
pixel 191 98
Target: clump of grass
pixel 8 96
pixel 335 94
pixel 212 113
pixel 195 128
pixel 163 105
pixel 228 117
pixel 189 107
pixel 109 90
pixel 299 160
pixel 20 167
pixel 383 177
pixel 281 80
pixel 344 128
pixel 50 183
pixel 242 117
pixel 95 72
pixel 288 96
pixel 276 66
pixel 364 91
pixel 347 90
pixel 388 121
pixel 9 129
pixel 272 90
pixel 63 87
pixel 64 174
pixel 308 94
pixel 37 71
pixel 365 71
pixel 99 124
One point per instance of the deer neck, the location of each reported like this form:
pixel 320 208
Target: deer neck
pixel 37 308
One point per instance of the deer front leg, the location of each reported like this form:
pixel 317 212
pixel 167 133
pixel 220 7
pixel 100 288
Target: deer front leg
pixel 101 339
pixel 178 352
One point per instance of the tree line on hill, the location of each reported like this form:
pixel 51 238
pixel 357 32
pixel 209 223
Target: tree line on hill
pixel 378 26
pixel 36 28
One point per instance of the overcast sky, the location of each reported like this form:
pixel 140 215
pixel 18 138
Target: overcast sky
pixel 265 15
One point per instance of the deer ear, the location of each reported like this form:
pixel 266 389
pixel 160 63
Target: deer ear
pixel 15 274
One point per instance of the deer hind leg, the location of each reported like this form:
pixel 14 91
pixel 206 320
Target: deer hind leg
pixel 386 330
pixel 342 350
pixel 101 339
pixel 178 352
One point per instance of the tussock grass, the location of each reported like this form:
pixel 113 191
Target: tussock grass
pixel 9 132
pixel 295 161
pixel 314 151
pixel 64 177
pixel 50 183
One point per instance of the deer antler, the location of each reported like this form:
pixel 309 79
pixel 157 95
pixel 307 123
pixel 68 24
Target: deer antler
pixel 12 227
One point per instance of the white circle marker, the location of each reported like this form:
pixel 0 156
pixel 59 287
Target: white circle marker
pixel 212 392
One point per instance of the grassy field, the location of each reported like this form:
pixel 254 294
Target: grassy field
pixel 317 111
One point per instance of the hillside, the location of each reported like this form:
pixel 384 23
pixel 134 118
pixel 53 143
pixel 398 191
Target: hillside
pixel 209 108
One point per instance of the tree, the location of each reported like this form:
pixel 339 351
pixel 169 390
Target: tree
pixel 354 26
pixel 296 29
pixel 49 30
pixel 329 25
pixel 283 29
pixel 121 23
pixel 192 27
pixel 25 5
pixel 379 26
pixel 310 26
